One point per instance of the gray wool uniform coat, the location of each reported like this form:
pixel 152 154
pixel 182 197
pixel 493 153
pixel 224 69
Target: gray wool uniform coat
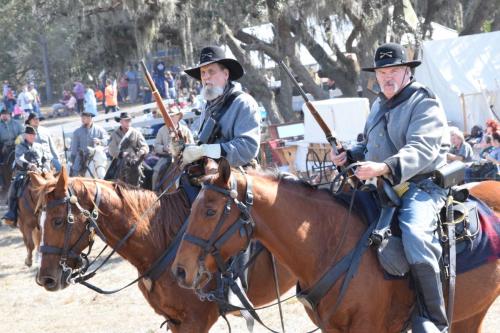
pixel 240 129
pixel 43 156
pixel 136 144
pixel 9 130
pixel 83 137
pixel 412 138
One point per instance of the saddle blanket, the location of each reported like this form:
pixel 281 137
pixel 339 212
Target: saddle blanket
pixel 484 248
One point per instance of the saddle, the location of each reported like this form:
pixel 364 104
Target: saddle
pixel 386 236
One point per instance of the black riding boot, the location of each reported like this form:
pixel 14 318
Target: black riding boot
pixel 10 217
pixel 430 313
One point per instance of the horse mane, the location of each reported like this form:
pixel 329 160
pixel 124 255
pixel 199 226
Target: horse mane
pixel 159 225
pixel 164 218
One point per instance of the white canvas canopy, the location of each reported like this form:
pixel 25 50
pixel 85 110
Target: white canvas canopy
pixel 464 73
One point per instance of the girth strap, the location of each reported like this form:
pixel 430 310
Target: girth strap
pixel 348 264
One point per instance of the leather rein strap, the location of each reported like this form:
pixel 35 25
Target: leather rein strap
pixel 244 223
pixel 212 246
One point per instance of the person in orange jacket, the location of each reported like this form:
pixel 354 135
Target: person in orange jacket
pixel 111 96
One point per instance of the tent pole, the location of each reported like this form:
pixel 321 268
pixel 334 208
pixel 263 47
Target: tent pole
pixel 462 98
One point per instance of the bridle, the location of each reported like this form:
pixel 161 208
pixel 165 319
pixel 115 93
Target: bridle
pixel 91 229
pixel 244 224
pixel 227 276
pixel 96 167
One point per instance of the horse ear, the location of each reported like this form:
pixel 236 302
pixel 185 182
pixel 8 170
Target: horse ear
pixel 224 170
pixel 210 166
pixel 37 180
pixel 62 182
pixel 91 149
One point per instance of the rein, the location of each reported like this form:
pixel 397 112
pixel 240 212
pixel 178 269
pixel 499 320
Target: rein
pixel 91 228
pixel 245 225
pixel 80 275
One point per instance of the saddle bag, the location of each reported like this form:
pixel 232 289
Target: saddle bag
pixel 466 219
pixel 209 131
pixel 450 174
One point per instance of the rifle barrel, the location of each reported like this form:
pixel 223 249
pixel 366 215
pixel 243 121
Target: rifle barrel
pixel 328 133
pixel 159 102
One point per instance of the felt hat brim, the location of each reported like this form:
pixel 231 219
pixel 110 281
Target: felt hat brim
pixel 411 64
pixel 235 69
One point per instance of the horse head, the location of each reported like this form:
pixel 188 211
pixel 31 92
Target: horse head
pixel 219 226
pixel 64 232
pixel 97 162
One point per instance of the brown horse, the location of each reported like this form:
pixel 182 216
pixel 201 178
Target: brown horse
pixel 302 227
pixel 120 207
pixel 27 218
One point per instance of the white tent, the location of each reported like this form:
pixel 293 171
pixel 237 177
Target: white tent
pixel 464 73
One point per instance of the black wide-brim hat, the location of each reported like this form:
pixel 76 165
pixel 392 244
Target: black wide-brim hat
pixel 29 130
pixel 123 115
pixel 391 55
pixel 32 115
pixel 212 54
pixel 88 114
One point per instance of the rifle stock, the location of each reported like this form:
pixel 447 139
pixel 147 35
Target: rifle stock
pixel 159 102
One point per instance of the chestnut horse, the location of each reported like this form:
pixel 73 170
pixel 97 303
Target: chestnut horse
pixel 121 207
pixel 27 218
pixel 302 227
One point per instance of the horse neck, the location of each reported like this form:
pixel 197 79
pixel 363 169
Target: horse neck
pixel 301 227
pixel 115 224
pixel 97 165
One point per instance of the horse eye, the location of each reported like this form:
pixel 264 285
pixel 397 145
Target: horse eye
pixel 211 212
pixel 58 222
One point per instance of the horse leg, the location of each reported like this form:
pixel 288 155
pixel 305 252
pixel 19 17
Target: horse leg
pixel 36 236
pixel 470 325
pixel 28 242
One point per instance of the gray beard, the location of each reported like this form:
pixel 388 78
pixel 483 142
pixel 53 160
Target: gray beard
pixel 212 93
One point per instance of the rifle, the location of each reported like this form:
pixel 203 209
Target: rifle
pixel 64 146
pixel 159 102
pixel 336 146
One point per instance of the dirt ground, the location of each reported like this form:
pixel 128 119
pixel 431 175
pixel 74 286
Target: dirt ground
pixel 26 307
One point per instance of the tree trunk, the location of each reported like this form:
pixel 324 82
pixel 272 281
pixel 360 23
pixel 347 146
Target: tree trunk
pixel 343 70
pixel 286 46
pixel 252 78
pixel 46 70
pixel 476 12
pixel 188 41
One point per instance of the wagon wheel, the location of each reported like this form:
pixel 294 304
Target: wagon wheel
pixel 329 169
pixel 314 167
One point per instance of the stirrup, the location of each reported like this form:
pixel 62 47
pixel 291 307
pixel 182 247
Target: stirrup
pixel 9 222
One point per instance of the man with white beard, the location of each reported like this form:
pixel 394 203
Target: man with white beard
pixel 230 121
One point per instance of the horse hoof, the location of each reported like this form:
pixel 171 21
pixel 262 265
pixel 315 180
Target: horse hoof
pixel 28 262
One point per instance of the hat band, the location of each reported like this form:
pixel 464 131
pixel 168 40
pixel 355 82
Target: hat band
pixel 389 61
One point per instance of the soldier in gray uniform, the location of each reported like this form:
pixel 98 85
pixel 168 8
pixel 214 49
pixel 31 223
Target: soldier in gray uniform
pixel 406 139
pixel 230 120
pixel 88 135
pixel 9 131
pixel 44 138
pixel 128 148
pixel 30 156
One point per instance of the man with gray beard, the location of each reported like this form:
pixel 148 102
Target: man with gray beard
pixel 230 121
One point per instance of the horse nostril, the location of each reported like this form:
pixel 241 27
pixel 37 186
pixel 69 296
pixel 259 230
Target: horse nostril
pixel 48 282
pixel 180 274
